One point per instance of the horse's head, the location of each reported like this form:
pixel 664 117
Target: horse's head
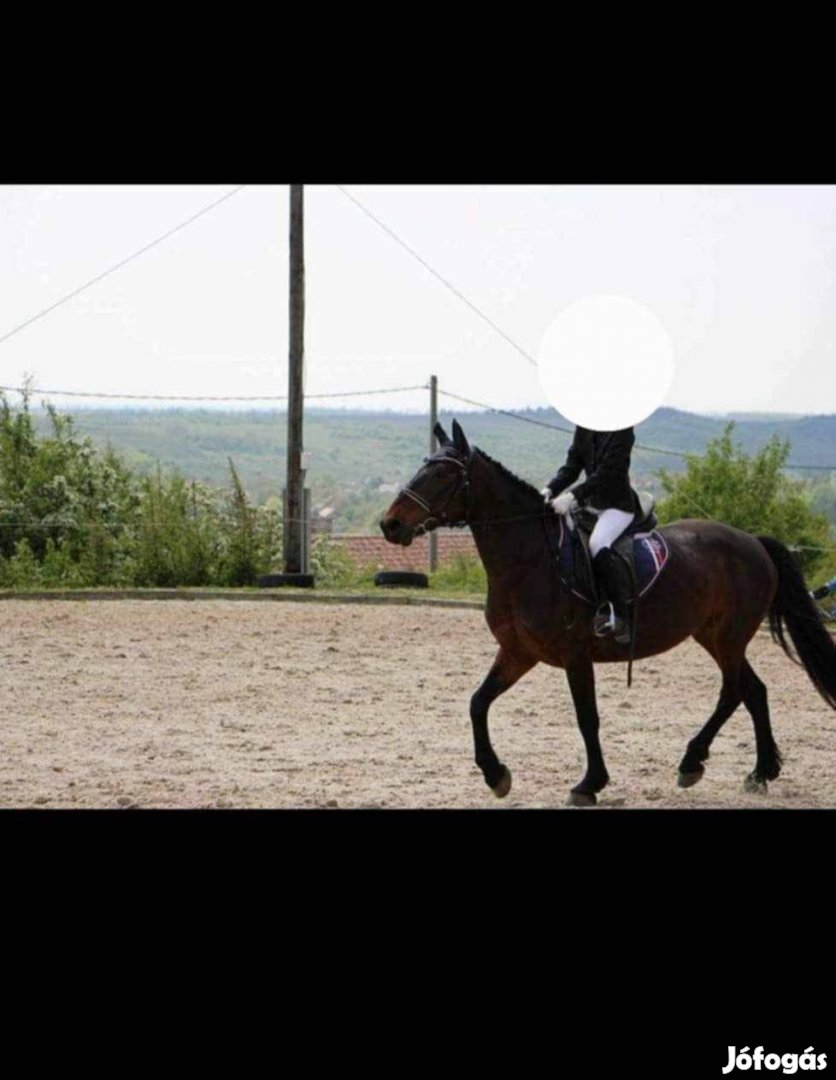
pixel 436 495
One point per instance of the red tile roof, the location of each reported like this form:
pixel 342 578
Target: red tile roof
pixel 381 555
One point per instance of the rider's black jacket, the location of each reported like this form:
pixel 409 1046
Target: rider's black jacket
pixel 605 458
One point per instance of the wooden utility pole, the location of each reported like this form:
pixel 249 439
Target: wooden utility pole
pixel 293 530
pixel 433 536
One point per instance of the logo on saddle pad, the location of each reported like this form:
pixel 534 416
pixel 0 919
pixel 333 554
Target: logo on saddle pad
pixel 650 555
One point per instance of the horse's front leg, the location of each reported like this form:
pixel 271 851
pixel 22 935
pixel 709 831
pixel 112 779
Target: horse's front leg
pixel 506 670
pixel 581 675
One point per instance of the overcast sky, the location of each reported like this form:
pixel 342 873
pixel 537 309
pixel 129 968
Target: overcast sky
pixel 742 277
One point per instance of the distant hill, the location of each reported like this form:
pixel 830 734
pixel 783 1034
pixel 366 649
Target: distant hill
pixel 353 455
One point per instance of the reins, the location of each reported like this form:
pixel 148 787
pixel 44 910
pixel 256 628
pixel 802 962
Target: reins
pixel 433 521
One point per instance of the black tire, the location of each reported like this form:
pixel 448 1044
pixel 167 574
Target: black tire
pixel 401 577
pixel 273 581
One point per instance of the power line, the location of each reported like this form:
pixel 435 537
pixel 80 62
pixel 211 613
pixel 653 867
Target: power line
pixel 190 397
pixel 505 412
pixel 123 262
pixel 364 393
pixel 510 340
pixel 436 274
pixel 647 449
pixel 570 431
pixel 554 427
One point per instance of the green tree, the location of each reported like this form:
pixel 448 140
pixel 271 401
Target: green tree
pixel 59 494
pixel 175 538
pixel 252 536
pixel 72 515
pixel 749 492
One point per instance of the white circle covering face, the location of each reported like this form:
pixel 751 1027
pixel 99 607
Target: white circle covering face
pixel 606 363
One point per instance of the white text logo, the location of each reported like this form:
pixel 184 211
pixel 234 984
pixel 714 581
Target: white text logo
pixel 787 1063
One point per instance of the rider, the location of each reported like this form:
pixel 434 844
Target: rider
pixel 605 458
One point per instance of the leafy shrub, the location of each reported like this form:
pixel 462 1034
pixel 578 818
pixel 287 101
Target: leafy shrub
pixel 251 537
pixel 73 516
pixel 334 568
pixel 175 540
pixel 749 492
pixel 59 489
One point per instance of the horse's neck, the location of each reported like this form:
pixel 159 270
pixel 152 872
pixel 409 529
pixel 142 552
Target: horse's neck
pixel 504 520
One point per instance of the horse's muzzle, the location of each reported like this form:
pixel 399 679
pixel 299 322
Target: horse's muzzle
pixel 396 532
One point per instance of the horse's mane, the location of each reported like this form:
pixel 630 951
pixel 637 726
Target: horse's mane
pixel 522 486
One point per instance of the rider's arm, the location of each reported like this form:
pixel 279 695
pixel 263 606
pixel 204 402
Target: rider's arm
pixel 569 473
pixel 615 461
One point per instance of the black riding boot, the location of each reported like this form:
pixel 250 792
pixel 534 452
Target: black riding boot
pixel 611 617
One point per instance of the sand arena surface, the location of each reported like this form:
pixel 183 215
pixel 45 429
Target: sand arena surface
pixel 249 704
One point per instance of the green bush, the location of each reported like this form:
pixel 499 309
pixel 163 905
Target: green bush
pixel 749 492
pixel 175 539
pixel 73 516
pixel 332 566
pixel 60 489
pixel 251 537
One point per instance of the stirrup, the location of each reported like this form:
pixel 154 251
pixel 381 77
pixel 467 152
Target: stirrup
pixel 604 625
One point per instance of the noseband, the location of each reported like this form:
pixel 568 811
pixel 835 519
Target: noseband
pixel 429 523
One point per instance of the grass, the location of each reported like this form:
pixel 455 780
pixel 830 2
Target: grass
pixel 370 593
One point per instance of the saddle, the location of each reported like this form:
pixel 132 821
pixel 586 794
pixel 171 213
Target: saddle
pixel 641 551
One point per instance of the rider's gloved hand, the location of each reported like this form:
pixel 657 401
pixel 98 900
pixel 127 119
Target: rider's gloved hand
pixel 546 492
pixel 564 503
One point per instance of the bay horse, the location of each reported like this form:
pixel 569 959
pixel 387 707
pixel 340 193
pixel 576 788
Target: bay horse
pixel 717 586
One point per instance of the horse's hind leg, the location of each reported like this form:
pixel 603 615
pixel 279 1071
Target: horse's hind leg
pixel 768 762
pixel 506 670
pixel 730 662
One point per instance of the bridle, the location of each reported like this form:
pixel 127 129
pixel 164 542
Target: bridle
pixel 462 481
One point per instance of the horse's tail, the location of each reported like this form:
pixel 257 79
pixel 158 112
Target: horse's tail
pixel 793 605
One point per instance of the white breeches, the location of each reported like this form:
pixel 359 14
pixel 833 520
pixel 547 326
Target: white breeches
pixel 610 525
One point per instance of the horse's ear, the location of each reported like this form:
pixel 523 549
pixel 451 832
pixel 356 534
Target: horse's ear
pixel 459 441
pixel 441 435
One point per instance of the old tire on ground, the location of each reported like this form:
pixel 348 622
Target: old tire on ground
pixel 272 581
pixel 403 578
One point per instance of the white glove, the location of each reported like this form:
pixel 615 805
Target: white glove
pixel 547 494
pixel 564 503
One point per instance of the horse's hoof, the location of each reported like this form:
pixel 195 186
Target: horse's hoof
pixel 504 786
pixel 581 798
pixel 688 779
pixel 755 784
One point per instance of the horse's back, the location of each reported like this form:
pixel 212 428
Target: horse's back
pixel 698 535
pixel 734 562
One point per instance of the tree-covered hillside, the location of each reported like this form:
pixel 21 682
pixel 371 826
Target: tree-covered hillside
pixel 74 514
pixel 355 456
